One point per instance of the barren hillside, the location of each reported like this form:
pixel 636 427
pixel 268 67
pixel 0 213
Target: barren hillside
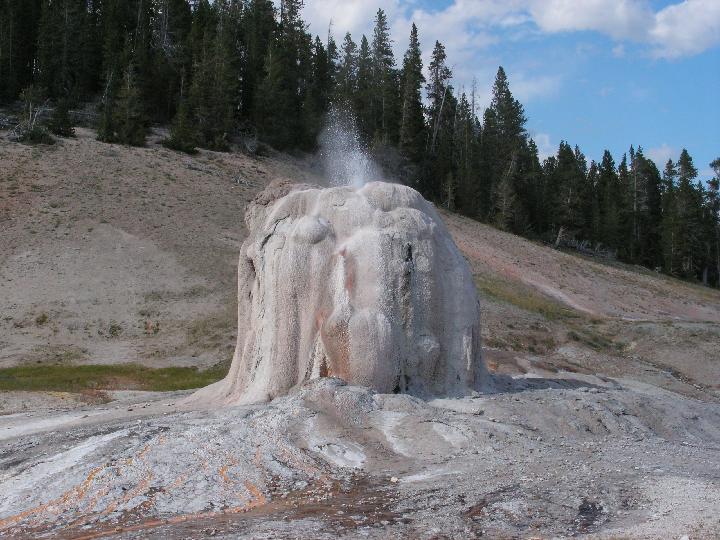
pixel 110 254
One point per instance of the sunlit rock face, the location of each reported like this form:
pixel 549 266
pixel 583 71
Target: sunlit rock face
pixel 364 284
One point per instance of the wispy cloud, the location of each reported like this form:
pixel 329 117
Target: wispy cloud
pixel 544 145
pixel 661 154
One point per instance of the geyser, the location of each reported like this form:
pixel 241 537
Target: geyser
pixel 364 284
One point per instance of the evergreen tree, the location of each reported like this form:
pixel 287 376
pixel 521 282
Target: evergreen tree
pixel 412 122
pixel 18 43
pixel 173 58
pixel 506 137
pixel 531 184
pixel 488 164
pixel 61 46
pixel 466 156
pixel 712 227
pixel 505 199
pixel 565 186
pixel 608 207
pixel 127 118
pixel 647 211
pixel 282 92
pixel 318 94
pixel 182 135
pixel 364 93
pixel 510 115
pixel 384 97
pixel 347 74
pixel 623 202
pixel 259 29
pixel 669 224
pixel 60 123
pixel 688 204
pixel 441 116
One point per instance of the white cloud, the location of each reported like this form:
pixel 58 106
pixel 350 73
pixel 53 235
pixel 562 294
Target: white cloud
pixel 616 18
pixel 682 29
pixel 687 28
pixel 526 88
pixel 545 147
pixel 661 154
pixel 468 28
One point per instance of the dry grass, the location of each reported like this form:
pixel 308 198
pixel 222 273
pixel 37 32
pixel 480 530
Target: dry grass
pixel 523 297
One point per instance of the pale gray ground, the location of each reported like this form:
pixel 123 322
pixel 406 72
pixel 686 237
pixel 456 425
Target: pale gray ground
pixel 582 456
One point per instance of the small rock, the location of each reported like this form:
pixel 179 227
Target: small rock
pixel 394 479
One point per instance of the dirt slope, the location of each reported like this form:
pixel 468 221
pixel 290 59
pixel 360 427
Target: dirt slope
pixel 111 254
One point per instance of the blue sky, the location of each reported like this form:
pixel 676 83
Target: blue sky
pixel 597 73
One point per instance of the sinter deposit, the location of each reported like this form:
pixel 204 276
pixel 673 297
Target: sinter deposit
pixel 361 284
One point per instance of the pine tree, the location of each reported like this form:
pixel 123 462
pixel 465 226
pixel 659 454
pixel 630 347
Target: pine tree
pixel 669 224
pixel 347 74
pixel 623 201
pixel 173 58
pixel 488 158
pixel 60 123
pixel 688 203
pixel 565 186
pixel 609 210
pixel 60 47
pixel 531 185
pixel 18 44
pixel 127 119
pixel 259 28
pixel 281 93
pixel 441 112
pixel 182 135
pixel 384 98
pixel 506 136
pixel 438 88
pixel 713 226
pixel 364 93
pixel 647 210
pixel 412 122
pixel 510 114
pixel 505 199
pixel 214 94
pixel 465 148
pixel 318 94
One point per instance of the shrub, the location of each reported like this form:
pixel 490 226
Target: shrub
pixel 60 123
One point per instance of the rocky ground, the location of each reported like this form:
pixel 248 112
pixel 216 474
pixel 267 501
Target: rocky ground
pixel 604 423
pixel 541 457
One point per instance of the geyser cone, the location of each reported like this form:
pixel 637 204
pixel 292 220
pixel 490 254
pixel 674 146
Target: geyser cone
pixel 362 284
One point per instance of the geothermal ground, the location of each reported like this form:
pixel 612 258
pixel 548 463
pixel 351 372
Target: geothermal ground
pixel 605 421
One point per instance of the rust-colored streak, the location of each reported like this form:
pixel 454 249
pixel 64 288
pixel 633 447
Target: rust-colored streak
pixel 258 498
pixel 223 474
pixel 77 493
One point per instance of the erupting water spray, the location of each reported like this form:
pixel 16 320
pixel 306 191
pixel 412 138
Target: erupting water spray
pixel 346 161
